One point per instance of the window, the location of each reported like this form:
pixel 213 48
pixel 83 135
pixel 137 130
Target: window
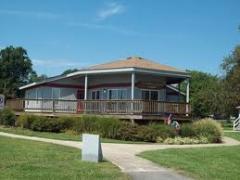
pixel 95 94
pixel 145 95
pixel 117 94
pixel 150 95
pixel 154 95
pixel 56 93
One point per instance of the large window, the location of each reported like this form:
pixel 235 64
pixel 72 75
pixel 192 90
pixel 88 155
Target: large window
pixel 150 95
pixel 117 94
pixel 96 94
pixel 56 93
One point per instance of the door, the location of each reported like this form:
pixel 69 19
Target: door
pixel 80 102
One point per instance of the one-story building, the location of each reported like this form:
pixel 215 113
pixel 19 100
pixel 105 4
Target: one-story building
pixel 134 87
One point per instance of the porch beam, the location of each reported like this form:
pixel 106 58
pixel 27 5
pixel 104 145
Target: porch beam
pixel 133 86
pixel 85 87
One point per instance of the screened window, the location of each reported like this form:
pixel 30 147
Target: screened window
pixel 56 93
pixel 95 94
pixel 154 95
pixel 145 95
pixel 150 95
pixel 117 94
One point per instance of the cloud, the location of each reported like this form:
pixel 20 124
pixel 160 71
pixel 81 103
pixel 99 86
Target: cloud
pixel 58 63
pixel 109 10
pixel 40 15
pixel 116 29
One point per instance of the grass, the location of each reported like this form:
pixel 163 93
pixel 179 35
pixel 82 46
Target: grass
pixel 213 163
pixel 59 136
pixel 23 160
pixel 234 135
pixel 227 125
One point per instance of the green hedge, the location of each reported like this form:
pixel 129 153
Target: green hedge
pixel 106 127
pixel 7 117
pixel 114 128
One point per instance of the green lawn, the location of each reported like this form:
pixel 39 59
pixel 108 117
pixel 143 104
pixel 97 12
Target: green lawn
pixel 234 135
pixel 60 136
pixel 23 160
pixel 200 163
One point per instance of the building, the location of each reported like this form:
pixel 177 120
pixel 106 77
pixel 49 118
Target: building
pixel 133 88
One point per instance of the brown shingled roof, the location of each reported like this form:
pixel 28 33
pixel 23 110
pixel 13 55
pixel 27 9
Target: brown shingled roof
pixel 135 62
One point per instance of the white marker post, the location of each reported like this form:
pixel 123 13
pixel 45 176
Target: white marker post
pixel 2 101
pixel 91 149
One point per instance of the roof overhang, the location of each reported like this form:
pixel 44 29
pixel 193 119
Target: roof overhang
pixel 180 74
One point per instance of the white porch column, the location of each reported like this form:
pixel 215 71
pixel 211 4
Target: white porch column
pixel 133 86
pixel 85 87
pixel 187 92
pixel 187 97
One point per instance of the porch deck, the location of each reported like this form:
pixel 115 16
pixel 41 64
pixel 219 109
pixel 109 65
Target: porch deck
pixel 123 109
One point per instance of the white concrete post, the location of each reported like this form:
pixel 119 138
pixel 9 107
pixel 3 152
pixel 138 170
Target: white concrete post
pixel 187 96
pixel 133 86
pixel 85 87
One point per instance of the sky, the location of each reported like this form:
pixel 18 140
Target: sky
pixel 63 34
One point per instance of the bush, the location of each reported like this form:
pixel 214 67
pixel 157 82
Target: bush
pixel 7 117
pixel 116 129
pixel 108 127
pixel 162 130
pixel 25 121
pixel 128 132
pixel 187 131
pixel 67 122
pixel 147 133
pixel 46 124
pixel 208 128
pixel 186 140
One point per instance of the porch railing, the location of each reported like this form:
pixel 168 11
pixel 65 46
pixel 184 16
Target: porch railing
pixel 99 106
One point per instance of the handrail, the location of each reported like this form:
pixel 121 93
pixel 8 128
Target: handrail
pixel 99 106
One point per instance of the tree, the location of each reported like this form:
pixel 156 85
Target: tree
pixel 231 67
pixel 206 92
pixel 15 67
pixel 33 77
pixel 69 71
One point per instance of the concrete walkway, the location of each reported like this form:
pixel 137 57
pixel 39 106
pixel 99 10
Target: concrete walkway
pixel 124 156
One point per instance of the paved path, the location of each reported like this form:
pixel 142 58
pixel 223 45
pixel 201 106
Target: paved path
pixel 124 156
pixel 232 131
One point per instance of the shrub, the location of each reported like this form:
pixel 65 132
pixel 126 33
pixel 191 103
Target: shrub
pixel 25 121
pixel 128 132
pixel 187 131
pixel 7 117
pixel 46 124
pixel 208 128
pixel 146 133
pixel 85 124
pixel 162 130
pixel 108 127
pixel 186 140
pixel 67 122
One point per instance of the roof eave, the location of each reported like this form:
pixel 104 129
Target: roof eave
pixel 109 71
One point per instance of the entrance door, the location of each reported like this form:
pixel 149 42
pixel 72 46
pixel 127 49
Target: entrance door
pixel 80 103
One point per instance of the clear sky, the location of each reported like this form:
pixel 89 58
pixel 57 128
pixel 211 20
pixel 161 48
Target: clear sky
pixel 62 34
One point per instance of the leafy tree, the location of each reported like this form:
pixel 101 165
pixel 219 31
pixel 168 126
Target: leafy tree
pixel 15 67
pixel 231 67
pixel 33 77
pixel 206 94
pixel 69 71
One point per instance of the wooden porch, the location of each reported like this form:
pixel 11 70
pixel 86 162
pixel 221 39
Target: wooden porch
pixel 123 109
